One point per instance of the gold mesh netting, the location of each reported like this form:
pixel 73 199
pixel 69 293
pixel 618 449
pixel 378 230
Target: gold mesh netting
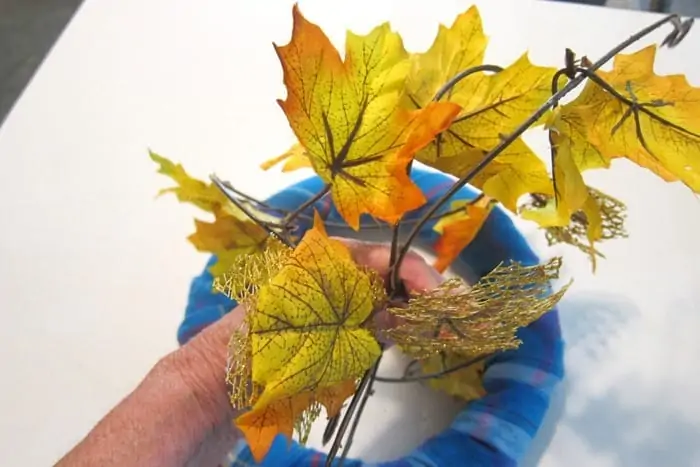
pixel 613 212
pixel 303 424
pixel 242 392
pixel 242 281
pixel 250 272
pixel 480 320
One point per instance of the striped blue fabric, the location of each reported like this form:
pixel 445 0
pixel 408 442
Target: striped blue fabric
pixel 495 430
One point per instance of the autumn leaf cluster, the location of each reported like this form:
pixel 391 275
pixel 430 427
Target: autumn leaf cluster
pixel 362 119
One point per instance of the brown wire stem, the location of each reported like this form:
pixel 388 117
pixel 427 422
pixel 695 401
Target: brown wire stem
pixel 265 225
pixel 426 376
pixel 365 383
pixel 447 87
pixel 289 218
pixel 508 140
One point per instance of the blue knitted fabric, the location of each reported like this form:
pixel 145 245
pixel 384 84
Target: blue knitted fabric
pixel 495 430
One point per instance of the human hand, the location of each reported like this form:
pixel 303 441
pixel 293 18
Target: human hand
pixel 415 273
pixel 180 413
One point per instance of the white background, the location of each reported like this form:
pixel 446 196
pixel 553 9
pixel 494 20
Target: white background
pixel 94 272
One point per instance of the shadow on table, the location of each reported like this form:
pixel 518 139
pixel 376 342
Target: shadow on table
pixel 588 323
pixel 649 435
pixel 641 436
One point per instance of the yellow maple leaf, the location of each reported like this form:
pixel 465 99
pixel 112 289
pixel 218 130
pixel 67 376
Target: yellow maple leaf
pixel 515 172
pixel 571 154
pixel 493 105
pixel 459 229
pixel 228 237
pixel 264 422
pixel 570 123
pixel 455 49
pixel 573 215
pixel 496 104
pixel 345 114
pixel 465 383
pixel 571 192
pixel 307 327
pixel 294 158
pixel 231 234
pixel 653 120
pixel 204 195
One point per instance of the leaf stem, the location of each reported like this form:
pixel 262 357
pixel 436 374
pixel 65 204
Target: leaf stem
pixel 638 107
pixel 447 87
pixel 393 255
pixel 379 226
pixel 245 196
pixel 508 140
pixel 360 394
pixel 438 374
pixel 265 225
pixel 289 218
pixel 360 409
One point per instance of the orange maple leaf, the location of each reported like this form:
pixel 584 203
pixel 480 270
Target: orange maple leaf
pixel 347 116
pixel 261 425
pixel 294 158
pixel 459 229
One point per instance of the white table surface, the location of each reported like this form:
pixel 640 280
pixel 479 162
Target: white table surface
pixel 94 272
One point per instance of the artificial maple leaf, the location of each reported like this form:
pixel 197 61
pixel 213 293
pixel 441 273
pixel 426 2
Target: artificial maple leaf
pixel 479 320
pixel 572 123
pixel 459 229
pixel 294 158
pixel 455 49
pixel 205 196
pixel 465 383
pixel 228 237
pixel 264 422
pixel 492 106
pixel 571 154
pixel 345 114
pixel 515 172
pixel 306 329
pixel 260 426
pixel 650 119
pixel 570 191
pixel 232 233
pixel 569 121
pixel 572 215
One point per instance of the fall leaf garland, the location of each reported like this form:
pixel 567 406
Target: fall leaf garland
pixel 361 120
